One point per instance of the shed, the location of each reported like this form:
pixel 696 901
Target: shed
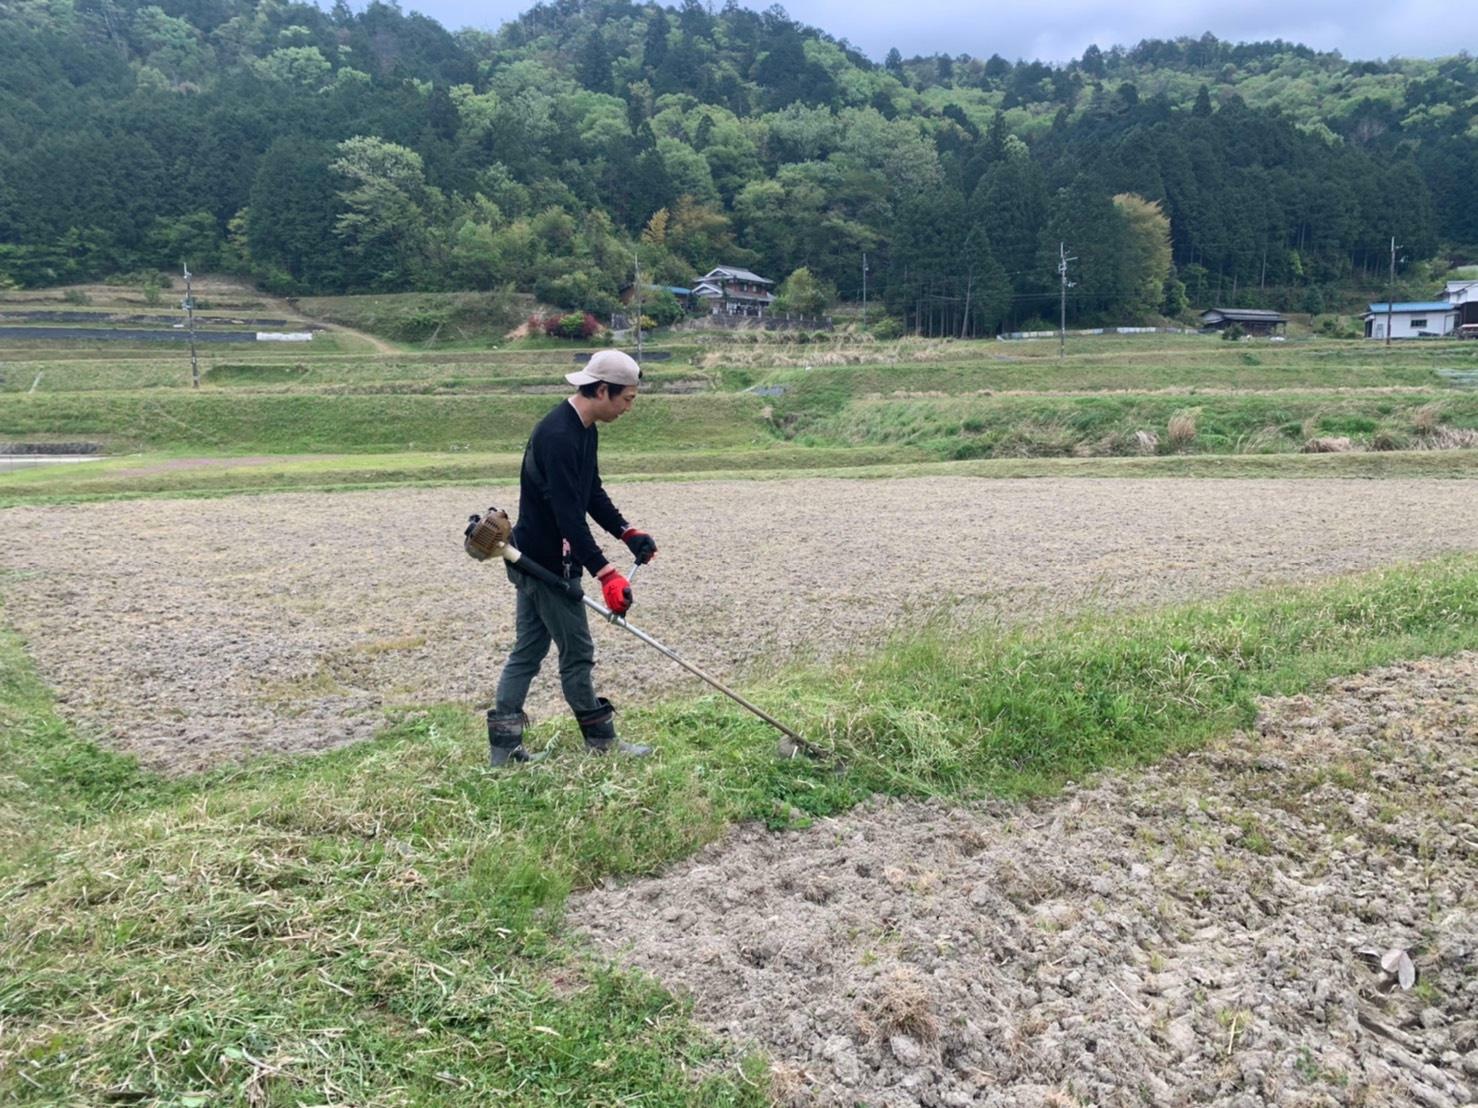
pixel 1255 321
pixel 1463 295
pixel 1412 319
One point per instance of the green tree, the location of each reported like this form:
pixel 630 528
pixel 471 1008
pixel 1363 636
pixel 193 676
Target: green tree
pixel 1094 231
pixel 298 65
pixel 288 223
pixel 802 294
pixel 1145 259
pixel 701 235
pixel 1010 204
pixel 384 219
pixel 194 238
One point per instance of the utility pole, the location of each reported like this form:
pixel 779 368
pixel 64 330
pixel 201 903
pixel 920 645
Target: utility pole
pixel 1062 260
pixel 636 256
pixel 864 290
pixel 1391 289
pixel 189 306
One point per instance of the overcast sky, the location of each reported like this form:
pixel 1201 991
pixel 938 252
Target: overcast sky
pixel 1362 29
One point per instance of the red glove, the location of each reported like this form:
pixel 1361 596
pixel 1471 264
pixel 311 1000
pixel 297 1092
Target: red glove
pixel 615 589
pixel 642 546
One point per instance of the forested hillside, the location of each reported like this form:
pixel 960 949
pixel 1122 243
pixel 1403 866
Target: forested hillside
pixel 332 151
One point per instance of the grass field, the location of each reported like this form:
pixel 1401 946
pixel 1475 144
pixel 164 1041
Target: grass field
pixel 383 925
pixel 917 401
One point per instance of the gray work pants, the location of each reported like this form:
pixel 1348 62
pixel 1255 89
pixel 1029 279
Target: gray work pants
pixel 546 615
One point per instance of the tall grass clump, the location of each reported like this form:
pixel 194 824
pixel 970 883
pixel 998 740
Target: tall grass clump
pixel 1181 431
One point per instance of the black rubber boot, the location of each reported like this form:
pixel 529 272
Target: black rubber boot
pixel 505 740
pixel 599 729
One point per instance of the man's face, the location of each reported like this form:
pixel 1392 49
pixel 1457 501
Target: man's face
pixel 613 402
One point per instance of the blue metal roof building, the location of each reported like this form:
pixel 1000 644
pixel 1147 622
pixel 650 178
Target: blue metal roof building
pixel 1411 319
pixel 1413 306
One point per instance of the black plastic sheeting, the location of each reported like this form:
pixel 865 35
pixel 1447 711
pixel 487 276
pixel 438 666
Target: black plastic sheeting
pixel 51 316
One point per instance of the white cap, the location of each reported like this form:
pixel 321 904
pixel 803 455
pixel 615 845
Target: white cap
pixel 611 366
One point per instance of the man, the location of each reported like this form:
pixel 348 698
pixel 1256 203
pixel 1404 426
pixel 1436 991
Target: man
pixel 559 485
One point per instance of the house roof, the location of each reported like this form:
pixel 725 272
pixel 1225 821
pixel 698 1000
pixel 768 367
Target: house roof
pixel 1250 315
pixel 1413 306
pixel 708 289
pixel 735 273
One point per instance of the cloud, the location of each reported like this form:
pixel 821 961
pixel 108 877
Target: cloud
pixel 1058 32
pixel 1359 29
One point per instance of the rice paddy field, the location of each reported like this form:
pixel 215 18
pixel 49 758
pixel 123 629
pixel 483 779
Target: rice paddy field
pixel 1125 668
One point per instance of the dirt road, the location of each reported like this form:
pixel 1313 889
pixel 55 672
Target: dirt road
pixel 193 632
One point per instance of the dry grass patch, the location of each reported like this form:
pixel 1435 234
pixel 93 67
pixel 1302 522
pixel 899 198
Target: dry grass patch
pixel 1427 419
pixel 899 1004
pixel 1327 444
pixel 1182 428
pixel 1449 438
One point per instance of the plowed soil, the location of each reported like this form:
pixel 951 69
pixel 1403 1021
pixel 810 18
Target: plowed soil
pixel 1215 930
pixel 197 632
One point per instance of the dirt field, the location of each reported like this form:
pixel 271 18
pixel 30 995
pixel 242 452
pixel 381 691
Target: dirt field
pixel 1210 931
pixel 195 632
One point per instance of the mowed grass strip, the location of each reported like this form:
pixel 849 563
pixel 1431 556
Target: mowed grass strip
pixel 183 475
pixel 279 370
pixel 828 387
pixel 381 925
pixel 285 423
pixel 143 476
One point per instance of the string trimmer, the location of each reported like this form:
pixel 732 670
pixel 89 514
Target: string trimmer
pixel 487 537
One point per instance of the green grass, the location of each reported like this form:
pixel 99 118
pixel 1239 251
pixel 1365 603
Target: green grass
pixel 257 421
pixel 172 476
pixel 1003 370
pixel 310 370
pixel 50 779
pixel 227 422
pixel 1013 426
pixel 382 925
pixel 1007 404
pixel 422 317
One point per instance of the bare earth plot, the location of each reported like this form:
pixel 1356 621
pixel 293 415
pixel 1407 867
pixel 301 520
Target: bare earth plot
pixel 196 632
pixel 1210 931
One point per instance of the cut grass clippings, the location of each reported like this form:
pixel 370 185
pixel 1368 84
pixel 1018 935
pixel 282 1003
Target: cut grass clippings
pixel 380 925
pixel 50 779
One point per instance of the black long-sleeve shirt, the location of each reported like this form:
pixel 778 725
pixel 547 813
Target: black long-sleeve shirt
pixel 559 484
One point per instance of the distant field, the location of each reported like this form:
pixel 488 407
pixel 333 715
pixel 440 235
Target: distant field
pixel 341 413
pixel 1256 423
pixel 425 317
pixel 168 475
pixel 222 422
pixel 242 369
